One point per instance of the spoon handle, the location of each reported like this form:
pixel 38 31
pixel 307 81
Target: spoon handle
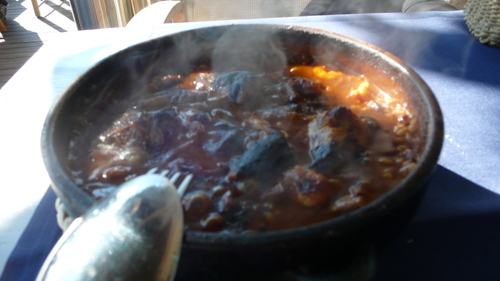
pixel 133 234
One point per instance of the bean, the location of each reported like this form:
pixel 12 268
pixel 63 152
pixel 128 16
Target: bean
pixel 400 129
pixel 361 188
pixel 413 126
pixel 388 173
pixel 407 167
pixel 218 190
pixel 386 161
pixel 196 203
pixel 402 148
pixel 214 222
pixel 347 203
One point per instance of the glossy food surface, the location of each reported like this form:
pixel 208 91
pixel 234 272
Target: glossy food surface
pixel 268 150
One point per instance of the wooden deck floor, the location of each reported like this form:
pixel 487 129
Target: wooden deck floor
pixel 26 33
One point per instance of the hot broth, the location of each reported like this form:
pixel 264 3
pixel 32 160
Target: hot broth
pixel 268 151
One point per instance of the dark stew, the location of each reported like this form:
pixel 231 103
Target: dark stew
pixel 268 151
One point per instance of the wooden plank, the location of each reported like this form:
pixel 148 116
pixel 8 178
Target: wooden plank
pixel 33 37
pixel 13 69
pixel 41 28
pixel 15 39
pixel 13 62
pixel 17 30
pixel 15 50
pixel 21 47
pixel 4 80
pixel 10 63
pixel 29 19
pixel 18 54
pixel 7 73
pixel 13 53
pixel 26 33
pixel 9 57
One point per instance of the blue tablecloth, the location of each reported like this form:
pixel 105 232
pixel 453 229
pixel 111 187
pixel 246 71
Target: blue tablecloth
pixel 455 234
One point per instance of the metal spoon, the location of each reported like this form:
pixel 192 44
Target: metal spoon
pixel 134 234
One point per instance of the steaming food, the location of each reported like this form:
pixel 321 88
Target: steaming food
pixel 268 151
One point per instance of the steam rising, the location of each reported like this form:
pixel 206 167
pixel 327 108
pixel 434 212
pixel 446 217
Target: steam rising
pixel 248 50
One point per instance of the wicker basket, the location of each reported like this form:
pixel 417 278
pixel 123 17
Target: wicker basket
pixel 483 19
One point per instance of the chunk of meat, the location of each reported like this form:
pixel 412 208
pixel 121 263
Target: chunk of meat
pixel 194 122
pixel 301 95
pixel 191 158
pixel 308 188
pixel 173 97
pixel 112 164
pixel 159 130
pixel 163 82
pixel 246 89
pixel 288 122
pixel 256 128
pixel 304 88
pixel 264 160
pixel 198 81
pixel 335 137
pixel 224 143
pixel 193 115
pixel 131 139
pixel 359 195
